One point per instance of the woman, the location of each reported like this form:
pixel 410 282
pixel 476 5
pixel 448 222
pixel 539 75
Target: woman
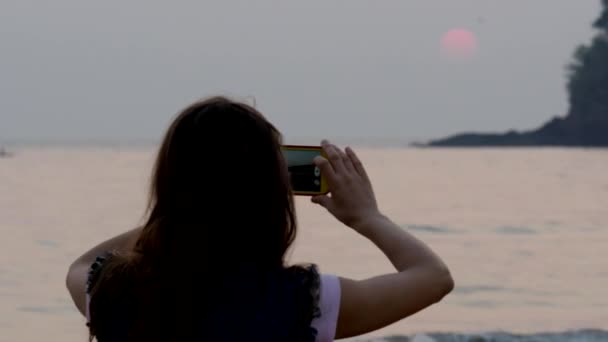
pixel 209 263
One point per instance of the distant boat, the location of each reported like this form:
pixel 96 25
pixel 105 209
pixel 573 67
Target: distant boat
pixel 4 153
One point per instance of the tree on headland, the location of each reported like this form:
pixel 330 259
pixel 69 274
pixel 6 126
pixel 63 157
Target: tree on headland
pixel 602 22
pixel 588 74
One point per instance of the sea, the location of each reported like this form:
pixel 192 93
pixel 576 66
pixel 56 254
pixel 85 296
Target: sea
pixel 524 232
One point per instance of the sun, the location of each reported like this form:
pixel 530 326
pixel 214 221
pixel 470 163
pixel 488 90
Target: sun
pixel 459 44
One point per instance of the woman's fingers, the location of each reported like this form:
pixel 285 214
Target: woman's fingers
pixel 326 168
pixel 356 162
pixel 322 200
pixel 342 164
pixel 335 157
pixel 352 197
pixel 348 164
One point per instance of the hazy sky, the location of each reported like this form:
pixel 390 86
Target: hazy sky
pixel 119 70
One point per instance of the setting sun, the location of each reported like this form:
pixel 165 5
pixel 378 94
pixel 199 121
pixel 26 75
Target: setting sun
pixel 459 44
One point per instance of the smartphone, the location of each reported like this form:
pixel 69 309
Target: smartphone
pixel 305 177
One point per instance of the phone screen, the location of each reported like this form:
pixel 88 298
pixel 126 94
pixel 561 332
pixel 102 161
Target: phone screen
pixel 304 175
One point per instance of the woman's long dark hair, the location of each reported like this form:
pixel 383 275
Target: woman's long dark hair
pixel 220 207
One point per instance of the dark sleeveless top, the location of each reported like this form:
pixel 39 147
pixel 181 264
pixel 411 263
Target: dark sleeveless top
pixel 280 311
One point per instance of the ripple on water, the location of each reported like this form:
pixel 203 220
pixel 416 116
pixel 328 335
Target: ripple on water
pixel 539 303
pixel 47 243
pixel 423 228
pixel 7 283
pixel 513 230
pixel 478 289
pixel 59 309
pixel 480 303
pixel 590 335
pixel 467 290
pixel 524 252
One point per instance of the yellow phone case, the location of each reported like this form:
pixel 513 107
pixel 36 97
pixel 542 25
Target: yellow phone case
pixel 324 186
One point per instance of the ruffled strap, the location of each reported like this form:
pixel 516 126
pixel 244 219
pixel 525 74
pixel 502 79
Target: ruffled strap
pixel 314 286
pixel 92 277
pixel 309 279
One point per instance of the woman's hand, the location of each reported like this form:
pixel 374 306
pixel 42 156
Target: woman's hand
pixel 422 279
pixel 352 199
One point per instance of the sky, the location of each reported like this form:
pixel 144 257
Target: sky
pixel 73 70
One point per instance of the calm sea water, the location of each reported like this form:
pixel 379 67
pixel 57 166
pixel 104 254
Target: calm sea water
pixel 525 232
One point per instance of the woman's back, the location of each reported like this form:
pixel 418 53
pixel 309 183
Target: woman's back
pixel 279 305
